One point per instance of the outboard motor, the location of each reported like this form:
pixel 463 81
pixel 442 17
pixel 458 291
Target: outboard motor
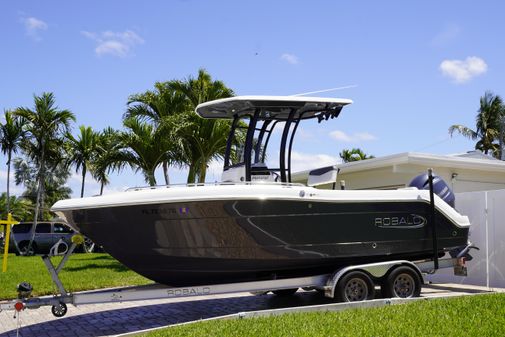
pixel 440 187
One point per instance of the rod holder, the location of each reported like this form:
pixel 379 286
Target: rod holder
pixel 432 219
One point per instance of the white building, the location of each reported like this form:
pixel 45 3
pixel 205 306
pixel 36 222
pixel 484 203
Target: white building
pixel 469 172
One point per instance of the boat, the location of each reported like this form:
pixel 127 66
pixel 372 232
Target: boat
pixel 257 224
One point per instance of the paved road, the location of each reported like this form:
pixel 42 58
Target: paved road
pixel 118 318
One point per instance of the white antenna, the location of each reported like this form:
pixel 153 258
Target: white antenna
pixel 326 90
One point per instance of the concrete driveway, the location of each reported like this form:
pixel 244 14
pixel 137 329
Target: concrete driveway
pixel 119 318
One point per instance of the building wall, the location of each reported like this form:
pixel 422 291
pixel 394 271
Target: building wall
pixel 487 231
pixel 397 176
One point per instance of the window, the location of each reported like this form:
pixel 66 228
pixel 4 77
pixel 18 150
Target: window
pixel 43 228
pixel 61 228
pixel 22 228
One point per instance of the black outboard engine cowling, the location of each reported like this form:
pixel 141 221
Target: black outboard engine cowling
pixel 440 187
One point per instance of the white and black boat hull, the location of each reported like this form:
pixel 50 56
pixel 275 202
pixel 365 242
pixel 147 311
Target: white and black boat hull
pixel 229 240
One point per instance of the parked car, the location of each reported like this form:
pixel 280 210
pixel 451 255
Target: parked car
pixel 46 235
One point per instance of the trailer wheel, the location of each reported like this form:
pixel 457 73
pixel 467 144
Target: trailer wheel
pixel 59 310
pixel 355 286
pixel 403 282
pixel 285 292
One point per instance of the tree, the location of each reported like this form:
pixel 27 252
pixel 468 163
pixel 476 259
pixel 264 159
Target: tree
pixel 157 107
pixel 11 133
pixel 487 130
pixel 46 127
pixel 82 150
pixel 205 139
pixel 21 208
pixel 107 149
pixel 143 147
pixel 25 172
pixel 354 155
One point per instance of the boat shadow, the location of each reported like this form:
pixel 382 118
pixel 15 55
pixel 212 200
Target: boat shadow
pixel 113 266
pixel 117 321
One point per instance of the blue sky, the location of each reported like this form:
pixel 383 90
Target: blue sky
pixel 418 67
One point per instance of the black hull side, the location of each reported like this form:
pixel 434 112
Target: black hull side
pixel 208 242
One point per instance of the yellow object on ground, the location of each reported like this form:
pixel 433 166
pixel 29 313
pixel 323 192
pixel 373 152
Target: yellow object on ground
pixel 7 223
pixel 78 239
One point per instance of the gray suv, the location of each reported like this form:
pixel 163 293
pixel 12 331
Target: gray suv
pixel 46 235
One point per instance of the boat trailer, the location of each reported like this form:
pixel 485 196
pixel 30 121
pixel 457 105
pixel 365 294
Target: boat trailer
pixel 401 278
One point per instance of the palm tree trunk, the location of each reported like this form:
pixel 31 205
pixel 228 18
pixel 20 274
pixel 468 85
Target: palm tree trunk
pixel 203 173
pixel 101 187
pixel 40 184
pixel 8 204
pixel 165 173
pixel 83 179
pixel 191 175
pixel 151 179
pixel 8 180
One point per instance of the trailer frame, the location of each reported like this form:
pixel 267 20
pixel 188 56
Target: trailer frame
pixel 325 283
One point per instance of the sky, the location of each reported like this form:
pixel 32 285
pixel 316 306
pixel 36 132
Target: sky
pixel 412 68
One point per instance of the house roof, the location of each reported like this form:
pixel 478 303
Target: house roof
pixel 478 163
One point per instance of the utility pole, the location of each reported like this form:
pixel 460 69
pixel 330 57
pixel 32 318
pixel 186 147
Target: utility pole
pixel 502 140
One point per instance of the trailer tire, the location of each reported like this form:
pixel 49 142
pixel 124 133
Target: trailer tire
pixel 402 282
pixel 355 286
pixel 285 292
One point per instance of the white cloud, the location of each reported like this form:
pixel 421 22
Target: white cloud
pixel 356 137
pixel 290 58
pixel 306 161
pixel 33 27
pixel 119 44
pixel 461 71
pixel 449 33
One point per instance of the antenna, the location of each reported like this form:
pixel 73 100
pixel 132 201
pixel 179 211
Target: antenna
pixel 326 90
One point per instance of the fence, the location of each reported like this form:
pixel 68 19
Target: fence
pixel 486 210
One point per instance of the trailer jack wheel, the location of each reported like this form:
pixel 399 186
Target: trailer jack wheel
pixel 59 310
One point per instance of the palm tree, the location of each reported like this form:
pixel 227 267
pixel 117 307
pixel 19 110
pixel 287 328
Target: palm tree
pixel 20 207
pixel 205 139
pixel 25 172
pixel 143 147
pixel 107 147
pixel 156 107
pixel 45 127
pixel 355 154
pixel 488 119
pixel 82 151
pixel 11 133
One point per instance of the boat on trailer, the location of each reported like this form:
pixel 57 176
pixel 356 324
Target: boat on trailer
pixel 256 224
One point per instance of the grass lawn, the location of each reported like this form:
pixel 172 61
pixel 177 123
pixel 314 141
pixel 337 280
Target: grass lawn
pixel 82 272
pixel 480 315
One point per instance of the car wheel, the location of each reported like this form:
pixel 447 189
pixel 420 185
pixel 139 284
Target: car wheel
pixel 25 249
